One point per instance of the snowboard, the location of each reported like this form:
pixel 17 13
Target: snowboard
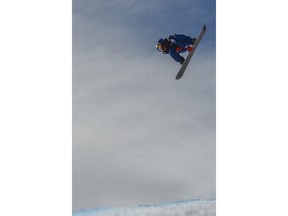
pixel 187 60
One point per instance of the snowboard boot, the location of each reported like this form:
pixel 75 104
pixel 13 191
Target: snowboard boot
pixel 193 40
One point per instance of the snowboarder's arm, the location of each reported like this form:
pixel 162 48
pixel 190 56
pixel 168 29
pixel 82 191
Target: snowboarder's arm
pixel 175 55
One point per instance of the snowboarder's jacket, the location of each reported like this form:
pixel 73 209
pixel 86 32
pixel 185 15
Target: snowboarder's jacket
pixel 176 44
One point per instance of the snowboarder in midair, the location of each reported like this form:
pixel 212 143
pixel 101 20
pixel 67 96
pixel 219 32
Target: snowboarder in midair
pixel 176 44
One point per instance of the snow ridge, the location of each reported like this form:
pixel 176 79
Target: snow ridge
pixel 193 207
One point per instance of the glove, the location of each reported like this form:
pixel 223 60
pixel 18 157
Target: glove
pixel 189 48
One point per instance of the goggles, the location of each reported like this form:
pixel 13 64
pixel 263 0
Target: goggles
pixel 161 48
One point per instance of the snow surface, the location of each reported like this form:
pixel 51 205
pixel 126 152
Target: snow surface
pixel 194 207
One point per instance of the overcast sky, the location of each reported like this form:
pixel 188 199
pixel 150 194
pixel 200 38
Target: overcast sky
pixel 139 135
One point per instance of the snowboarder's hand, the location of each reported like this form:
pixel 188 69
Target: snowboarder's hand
pixel 189 48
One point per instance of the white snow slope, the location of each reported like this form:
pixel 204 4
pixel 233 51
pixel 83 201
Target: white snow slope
pixel 195 207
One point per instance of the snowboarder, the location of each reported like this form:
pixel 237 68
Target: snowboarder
pixel 176 44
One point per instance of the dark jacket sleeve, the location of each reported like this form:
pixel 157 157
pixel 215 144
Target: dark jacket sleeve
pixel 175 55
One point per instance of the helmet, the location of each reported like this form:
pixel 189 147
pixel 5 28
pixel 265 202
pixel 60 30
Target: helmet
pixel 163 45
